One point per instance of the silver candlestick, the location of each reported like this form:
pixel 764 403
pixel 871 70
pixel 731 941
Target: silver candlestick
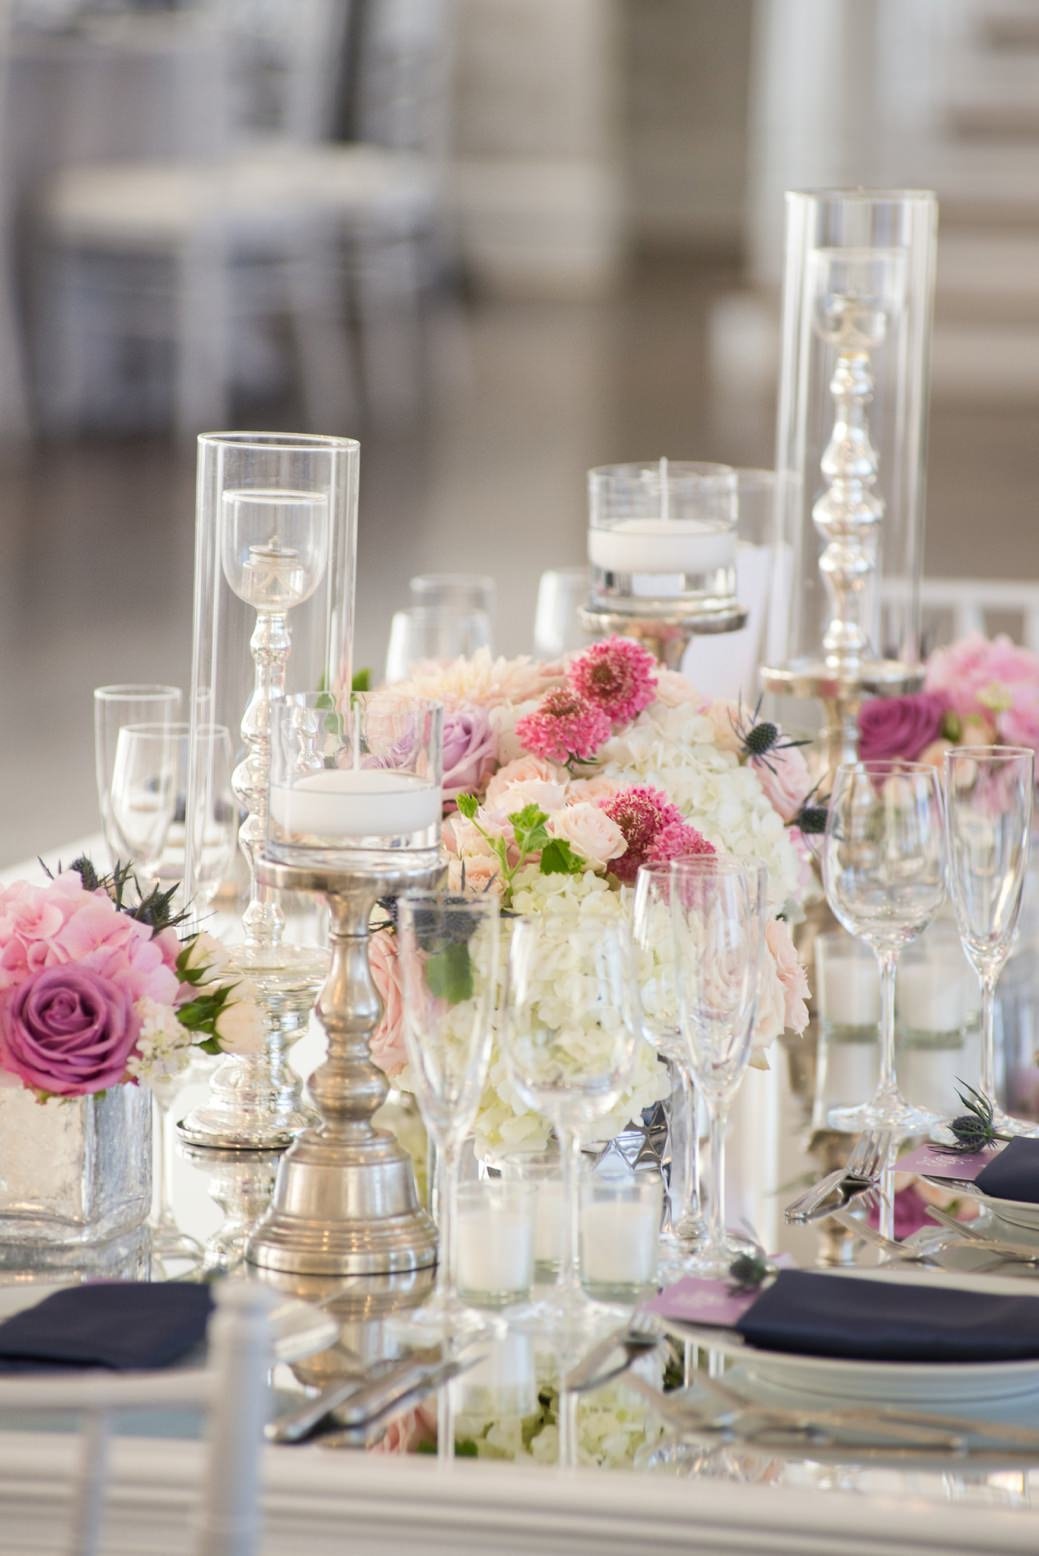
pixel 345 1201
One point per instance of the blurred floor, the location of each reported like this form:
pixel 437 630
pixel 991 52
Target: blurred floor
pixel 96 538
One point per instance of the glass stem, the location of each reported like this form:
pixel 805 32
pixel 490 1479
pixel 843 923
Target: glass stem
pixel 448 1197
pixel 718 1118
pixel 570 1252
pixel 161 1161
pixel 988 1035
pixel 888 961
pixel 684 1185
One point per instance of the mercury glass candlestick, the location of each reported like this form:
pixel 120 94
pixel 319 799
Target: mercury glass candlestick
pixel 274 578
pixel 354 816
pixel 662 553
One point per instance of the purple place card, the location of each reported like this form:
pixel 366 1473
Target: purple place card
pixel 931 1160
pixel 696 1300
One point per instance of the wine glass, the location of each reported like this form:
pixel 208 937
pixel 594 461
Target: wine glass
pixel 561 593
pixel 424 634
pixel 988 816
pixel 149 800
pixel 718 928
pixel 463 591
pixel 883 872
pixel 651 924
pixel 114 707
pixel 448 947
pixel 570 1029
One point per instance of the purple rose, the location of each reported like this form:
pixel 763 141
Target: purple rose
pixel 470 751
pixel 900 726
pixel 68 1031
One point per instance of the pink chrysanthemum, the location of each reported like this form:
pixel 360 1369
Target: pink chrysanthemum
pixel 648 819
pixel 564 726
pixel 677 841
pixel 619 676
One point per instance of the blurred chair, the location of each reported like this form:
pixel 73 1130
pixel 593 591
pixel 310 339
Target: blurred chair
pixel 951 608
pixel 231 1390
pixel 172 246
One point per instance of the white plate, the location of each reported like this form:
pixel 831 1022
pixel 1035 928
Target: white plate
pixel 926 1384
pixel 299 1330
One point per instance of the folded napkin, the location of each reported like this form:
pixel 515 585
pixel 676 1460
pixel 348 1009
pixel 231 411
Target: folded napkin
pixel 871 1320
pixel 122 1325
pixel 1014 1173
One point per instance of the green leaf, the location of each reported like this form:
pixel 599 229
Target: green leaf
pixel 558 858
pixel 529 828
pixel 468 805
pixel 449 974
pixel 465 1448
pixel 362 681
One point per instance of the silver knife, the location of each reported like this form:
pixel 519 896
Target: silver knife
pixel 355 1436
pixel 297 1424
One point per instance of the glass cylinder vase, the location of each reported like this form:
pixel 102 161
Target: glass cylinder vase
pixel 75 1175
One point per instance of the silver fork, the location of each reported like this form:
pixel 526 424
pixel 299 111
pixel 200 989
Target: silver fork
pixel 856 1181
pixel 868 1234
pixel 1011 1252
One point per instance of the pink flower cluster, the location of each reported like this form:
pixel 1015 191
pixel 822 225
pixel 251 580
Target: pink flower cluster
pixel 976 692
pixel 654 830
pixel 72 971
pixel 608 685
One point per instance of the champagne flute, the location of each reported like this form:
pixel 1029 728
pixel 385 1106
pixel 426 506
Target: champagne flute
pixel 883 872
pixel 448 948
pixel 571 1025
pixel 651 923
pixel 718 926
pixel 114 707
pixel 988 816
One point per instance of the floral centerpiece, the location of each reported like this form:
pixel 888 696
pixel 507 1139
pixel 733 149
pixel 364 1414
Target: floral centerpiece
pixel 559 782
pixel 98 994
pixel 976 692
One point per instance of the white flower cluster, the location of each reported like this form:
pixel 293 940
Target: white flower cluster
pixel 677 749
pixel 163 1048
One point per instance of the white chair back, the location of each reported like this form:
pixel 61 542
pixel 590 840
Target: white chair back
pixel 951 608
pixel 232 1391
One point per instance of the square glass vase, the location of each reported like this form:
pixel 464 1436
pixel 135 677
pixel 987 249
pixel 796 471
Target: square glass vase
pixel 74 1174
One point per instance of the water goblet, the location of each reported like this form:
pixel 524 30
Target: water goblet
pixel 115 707
pixel 651 926
pixel 883 872
pixel 448 948
pixel 571 1023
pixel 988 815
pixel 463 591
pixel 718 927
pixel 423 634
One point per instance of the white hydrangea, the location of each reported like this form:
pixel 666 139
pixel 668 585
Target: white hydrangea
pixel 676 749
pixel 163 1048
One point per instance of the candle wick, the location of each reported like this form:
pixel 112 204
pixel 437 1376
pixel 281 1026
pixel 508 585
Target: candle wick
pixel 665 495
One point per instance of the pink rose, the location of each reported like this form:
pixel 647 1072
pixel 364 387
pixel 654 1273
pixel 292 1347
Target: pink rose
pixel 409 1430
pixel 790 972
pixel 516 796
pixel 67 1031
pixel 470 752
pixel 1019 725
pixel 524 769
pixel 675 690
pixel 785 778
pixel 891 727
pixel 597 789
pixel 387 1042
pixel 590 833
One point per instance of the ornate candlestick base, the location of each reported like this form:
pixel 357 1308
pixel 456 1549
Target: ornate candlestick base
pixel 345 1201
pixel 666 637
pixel 841 698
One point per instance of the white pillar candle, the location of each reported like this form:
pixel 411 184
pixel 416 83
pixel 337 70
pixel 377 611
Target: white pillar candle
pixel 663 546
pixel 848 991
pixel 930 997
pixel 928 1074
pixel 355 803
pixel 847 1072
pixel 548 1225
pixel 619 1240
pixel 495 1248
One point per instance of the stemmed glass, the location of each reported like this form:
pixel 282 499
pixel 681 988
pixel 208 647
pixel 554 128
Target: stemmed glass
pixel 434 633
pixel 718 928
pixel 571 1023
pixel 651 923
pixel 448 949
pixel 883 872
pixel 988 815
pixel 114 707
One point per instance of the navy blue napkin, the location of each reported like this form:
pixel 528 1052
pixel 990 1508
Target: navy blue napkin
pixel 123 1325
pixel 1014 1173
pixel 871 1320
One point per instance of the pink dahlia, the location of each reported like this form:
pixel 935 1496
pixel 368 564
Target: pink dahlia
pixel 619 676
pixel 654 830
pixel 564 726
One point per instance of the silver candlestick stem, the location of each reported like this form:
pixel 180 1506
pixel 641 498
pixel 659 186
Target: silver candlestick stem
pixel 345 1201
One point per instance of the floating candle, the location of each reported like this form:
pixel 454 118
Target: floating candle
pixel 662 546
pixel 356 802
pixel 620 1231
